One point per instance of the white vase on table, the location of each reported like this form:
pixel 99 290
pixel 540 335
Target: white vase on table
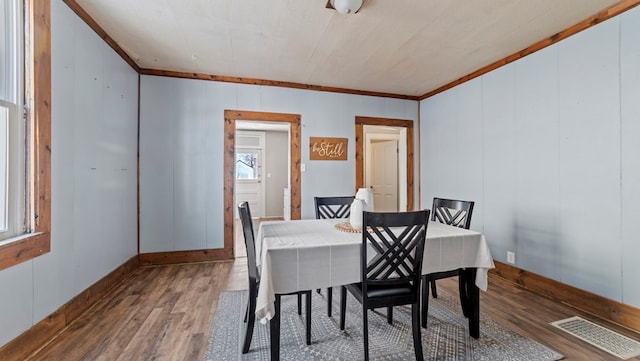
pixel 366 195
pixel 355 217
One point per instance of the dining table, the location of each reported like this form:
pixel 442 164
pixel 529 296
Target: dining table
pixel 297 255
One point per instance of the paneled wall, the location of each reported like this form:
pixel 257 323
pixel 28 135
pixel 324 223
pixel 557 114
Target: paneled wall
pixel 94 145
pixel 548 148
pixel 181 150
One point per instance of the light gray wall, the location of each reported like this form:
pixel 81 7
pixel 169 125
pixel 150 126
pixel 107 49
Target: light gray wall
pixel 548 148
pixel 93 209
pixel 181 151
pixel 277 166
pixel 630 148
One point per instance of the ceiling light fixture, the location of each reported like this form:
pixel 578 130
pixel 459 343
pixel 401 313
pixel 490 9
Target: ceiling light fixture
pixel 345 7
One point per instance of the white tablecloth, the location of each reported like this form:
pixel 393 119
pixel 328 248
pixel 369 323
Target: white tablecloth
pixel 308 254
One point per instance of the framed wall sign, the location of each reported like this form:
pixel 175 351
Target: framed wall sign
pixel 327 148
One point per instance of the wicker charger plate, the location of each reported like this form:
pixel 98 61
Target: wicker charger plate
pixel 346 227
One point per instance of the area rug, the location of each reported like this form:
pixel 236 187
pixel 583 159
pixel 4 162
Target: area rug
pixel 445 339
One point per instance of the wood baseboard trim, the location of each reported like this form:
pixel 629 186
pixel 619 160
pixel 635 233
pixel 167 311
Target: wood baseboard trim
pixel 200 255
pixel 610 310
pixel 33 339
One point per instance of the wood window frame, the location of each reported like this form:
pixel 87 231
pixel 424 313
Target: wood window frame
pixel 38 84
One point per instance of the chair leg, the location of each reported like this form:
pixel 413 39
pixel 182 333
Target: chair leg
pixel 308 316
pixel 274 329
pixel 390 315
pixel 343 305
pixel 329 300
pixel 299 303
pixel 434 291
pixel 425 301
pixel 415 327
pixel 251 314
pixel 365 332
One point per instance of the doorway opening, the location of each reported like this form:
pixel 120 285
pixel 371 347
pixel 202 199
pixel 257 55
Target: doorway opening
pixel 385 173
pixel 231 119
pixel 262 174
pixel 390 175
pixel 250 184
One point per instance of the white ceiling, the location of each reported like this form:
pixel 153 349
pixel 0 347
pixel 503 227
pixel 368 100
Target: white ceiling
pixel 407 47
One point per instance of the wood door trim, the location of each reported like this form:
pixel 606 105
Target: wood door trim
pixel 360 123
pixel 230 118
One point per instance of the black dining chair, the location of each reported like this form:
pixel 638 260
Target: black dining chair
pixel 392 252
pixel 455 213
pixel 332 208
pixel 254 281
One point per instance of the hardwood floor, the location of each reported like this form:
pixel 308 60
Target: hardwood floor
pixel 165 312
pixel 159 313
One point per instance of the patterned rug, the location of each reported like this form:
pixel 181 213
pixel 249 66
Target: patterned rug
pixel 446 337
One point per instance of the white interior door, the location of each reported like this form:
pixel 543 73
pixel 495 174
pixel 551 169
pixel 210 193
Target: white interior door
pixel 249 185
pixel 249 179
pixel 384 175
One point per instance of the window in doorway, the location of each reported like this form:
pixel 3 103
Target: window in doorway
pixel 246 165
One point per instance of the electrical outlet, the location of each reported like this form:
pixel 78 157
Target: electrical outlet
pixel 511 257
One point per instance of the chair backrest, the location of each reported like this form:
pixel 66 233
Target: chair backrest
pixel 397 241
pixel 452 212
pixel 249 241
pixel 333 207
